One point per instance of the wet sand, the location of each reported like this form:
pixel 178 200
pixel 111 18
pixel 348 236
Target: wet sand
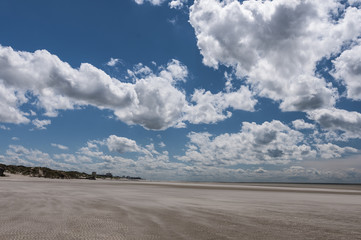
pixel 34 208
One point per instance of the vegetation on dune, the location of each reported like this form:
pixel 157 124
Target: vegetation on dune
pixel 43 172
pixel 58 174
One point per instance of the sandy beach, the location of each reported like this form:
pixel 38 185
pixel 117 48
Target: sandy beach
pixel 37 208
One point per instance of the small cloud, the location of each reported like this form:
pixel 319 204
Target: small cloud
pixel 93 144
pixel 152 2
pixel 260 170
pixel 172 21
pixel 15 138
pixel 161 144
pixel 61 147
pixel 4 127
pixel 32 113
pixel 150 147
pixel 113 61
pixel 40 124
pixel 177 4
pixel 301 124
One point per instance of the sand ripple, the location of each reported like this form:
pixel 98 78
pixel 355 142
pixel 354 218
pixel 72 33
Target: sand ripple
pixel 76 209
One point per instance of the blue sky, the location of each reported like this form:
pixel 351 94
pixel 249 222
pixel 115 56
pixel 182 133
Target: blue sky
pixel 204 90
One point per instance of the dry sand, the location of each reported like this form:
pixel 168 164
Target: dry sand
pixel 33 208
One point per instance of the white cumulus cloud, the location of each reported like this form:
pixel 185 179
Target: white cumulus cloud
pixel 349 123
pixel 330 151
pixel 153 100
pixel 268 143
pixel 301 124
pixel 276 44
pixel 210 108
pixel 10 100
pixel 348 70
pixel 177 4
pixel 121 144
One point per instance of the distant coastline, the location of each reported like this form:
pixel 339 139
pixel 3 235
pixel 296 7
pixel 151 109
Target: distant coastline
pixel 44 172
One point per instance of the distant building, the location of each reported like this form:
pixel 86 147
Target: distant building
pixel 93 176
pixel 109 175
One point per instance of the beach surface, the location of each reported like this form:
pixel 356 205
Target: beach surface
pixel 38 208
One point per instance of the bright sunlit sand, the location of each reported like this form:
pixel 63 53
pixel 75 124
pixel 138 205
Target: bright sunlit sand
pixel 37 208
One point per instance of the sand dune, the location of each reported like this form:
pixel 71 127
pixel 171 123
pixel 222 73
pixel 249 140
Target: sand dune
pixel 34 208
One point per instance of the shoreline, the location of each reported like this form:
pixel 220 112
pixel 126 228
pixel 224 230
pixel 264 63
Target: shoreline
pixel 349 188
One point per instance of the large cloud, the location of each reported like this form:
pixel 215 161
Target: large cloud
pixel 349 123
pixel 348 70
pixel 330 151
pixel 10 100
pixel 264 144
pixel 276 44
pixel 59 86
pixel 209 108
pixel 159 104
pixel 268 143
pixel 152 100
pixel 121 144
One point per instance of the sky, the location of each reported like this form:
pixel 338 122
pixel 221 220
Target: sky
pixel 203 90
